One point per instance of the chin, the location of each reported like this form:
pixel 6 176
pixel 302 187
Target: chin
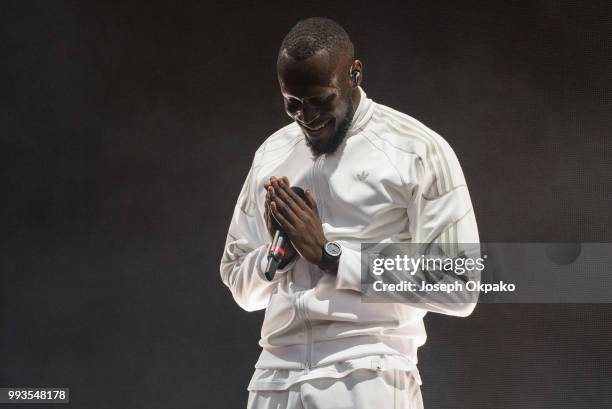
pixel 321 139
pixel 324 144
pixel 328 142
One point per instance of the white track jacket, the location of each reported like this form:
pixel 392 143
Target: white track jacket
pixel 391 180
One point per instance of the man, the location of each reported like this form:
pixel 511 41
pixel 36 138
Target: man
pixel 371 174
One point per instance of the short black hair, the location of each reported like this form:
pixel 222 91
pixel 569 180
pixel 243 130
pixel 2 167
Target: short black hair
pixel 314 34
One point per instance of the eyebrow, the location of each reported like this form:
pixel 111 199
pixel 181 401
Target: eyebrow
pixel 325 94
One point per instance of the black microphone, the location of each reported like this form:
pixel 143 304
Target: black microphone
pixel 280 242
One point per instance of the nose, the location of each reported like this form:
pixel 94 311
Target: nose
pixel 307 114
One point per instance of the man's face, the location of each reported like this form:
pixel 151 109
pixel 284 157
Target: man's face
pixel 318 96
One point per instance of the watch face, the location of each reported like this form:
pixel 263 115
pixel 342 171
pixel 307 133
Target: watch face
pixel 333 249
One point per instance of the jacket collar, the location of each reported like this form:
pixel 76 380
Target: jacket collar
pixel 363 113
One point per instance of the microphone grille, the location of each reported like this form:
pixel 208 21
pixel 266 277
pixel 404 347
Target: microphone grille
pixel 299 191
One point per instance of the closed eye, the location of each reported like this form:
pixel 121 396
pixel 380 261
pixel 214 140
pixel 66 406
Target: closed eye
pixel 292 104
pixel 321 101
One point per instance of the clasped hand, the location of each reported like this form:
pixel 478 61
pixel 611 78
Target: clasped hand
pixel 299 219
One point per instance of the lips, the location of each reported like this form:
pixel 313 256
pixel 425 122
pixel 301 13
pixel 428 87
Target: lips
pixel 315 129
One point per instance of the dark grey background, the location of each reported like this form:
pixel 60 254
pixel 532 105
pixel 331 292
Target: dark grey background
pixel 127 130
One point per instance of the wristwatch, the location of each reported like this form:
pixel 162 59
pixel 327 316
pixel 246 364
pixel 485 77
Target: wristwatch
pixel 330 255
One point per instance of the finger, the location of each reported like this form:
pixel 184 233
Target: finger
pixel 295 197
pixel 269 193
pixel 283 205
pixel 269 196
pixel 311 202
pixel 267 216
pixel 296 204
pixel 270 183
pixel 283 198
pixel 282 221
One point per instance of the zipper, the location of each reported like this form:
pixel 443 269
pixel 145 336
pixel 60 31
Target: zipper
pixel 316 187
pixel 300 304
pixel 301 310
pixel 308 362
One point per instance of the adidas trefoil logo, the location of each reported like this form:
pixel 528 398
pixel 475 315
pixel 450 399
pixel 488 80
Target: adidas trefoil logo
pixel 363 175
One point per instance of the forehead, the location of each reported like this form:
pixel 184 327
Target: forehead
pixel 313 76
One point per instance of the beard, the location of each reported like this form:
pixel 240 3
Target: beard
pixel 330 145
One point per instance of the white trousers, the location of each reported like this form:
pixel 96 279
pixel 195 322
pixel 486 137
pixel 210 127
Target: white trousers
pixel 361 389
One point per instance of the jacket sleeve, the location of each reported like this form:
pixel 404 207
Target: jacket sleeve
pixel 442 214
pixel 245 254
pixel 439 210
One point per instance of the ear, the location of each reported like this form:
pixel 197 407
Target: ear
pixel 356 73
